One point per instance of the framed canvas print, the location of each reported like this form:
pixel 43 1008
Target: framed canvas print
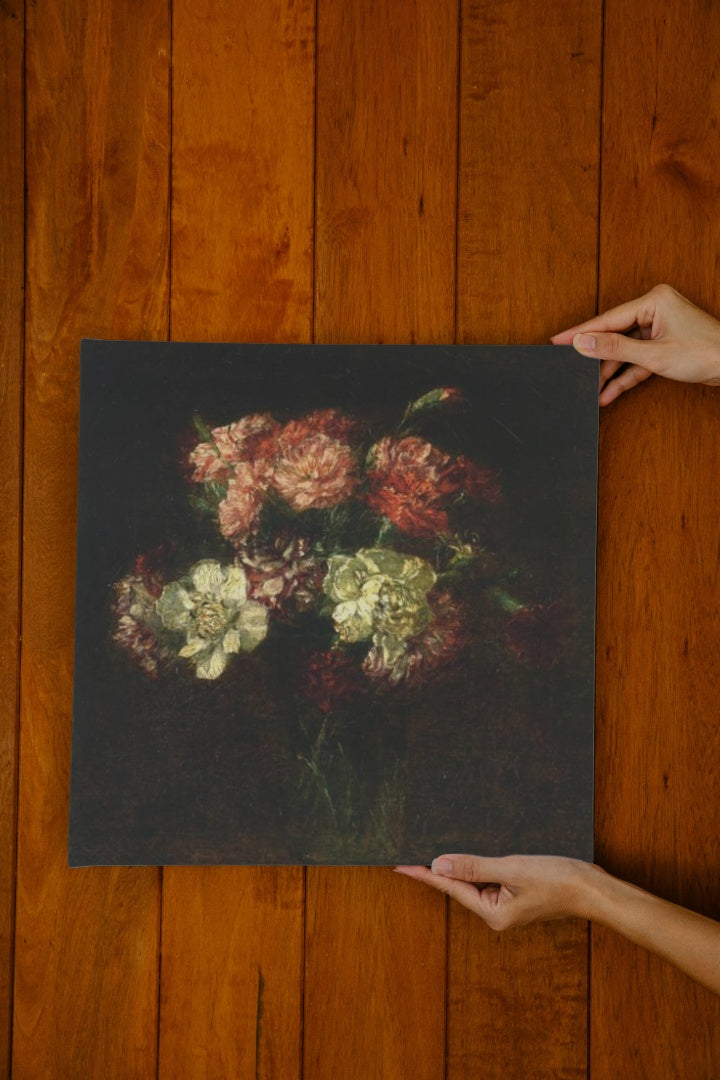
pixel 335 604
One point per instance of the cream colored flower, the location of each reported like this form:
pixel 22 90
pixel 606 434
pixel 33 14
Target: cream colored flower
pixel 379 595
pixel 211 608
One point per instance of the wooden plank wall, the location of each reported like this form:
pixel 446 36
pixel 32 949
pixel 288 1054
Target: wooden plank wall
pixel 658 737
pixel 12 272
pixel 86 941
pixel 371 170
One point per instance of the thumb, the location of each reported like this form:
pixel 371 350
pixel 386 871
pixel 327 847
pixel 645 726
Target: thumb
pixel 620 348
pixel 470 868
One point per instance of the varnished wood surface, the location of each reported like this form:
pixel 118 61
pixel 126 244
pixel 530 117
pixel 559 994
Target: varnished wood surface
pixel 359 171
pixel 657 726
pixel 86 941
pixel 12 272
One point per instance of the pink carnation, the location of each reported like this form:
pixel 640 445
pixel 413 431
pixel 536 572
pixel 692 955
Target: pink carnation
pixel 316 472
pixel 246 439
pixel 314 464
pixel 239 511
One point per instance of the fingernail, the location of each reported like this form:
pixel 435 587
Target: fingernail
pixel 584 341
pixel 442 866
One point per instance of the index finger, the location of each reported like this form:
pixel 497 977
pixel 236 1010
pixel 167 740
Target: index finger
pixel 640 311
pixel 462 891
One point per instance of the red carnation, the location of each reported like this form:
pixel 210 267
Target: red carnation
pixel 534 634
pixel 284 575
pixel 479 483
pixel 150 568
pixel 328 422
pixel 316 473
pixel 329 679
pixel 410 483
pixel 137 623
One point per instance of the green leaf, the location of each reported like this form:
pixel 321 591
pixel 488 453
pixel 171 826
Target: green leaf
pixel 203 505
pixel 203 430
pixel 437 396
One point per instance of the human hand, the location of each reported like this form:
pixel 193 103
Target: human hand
pixel 660 333
pixel 514 890
pixel 521 889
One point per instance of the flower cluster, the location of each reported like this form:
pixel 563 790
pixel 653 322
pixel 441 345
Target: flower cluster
pixel 323 527
pixel 309 463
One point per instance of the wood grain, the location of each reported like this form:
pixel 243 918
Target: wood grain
pixel 243 144
pixel 243 141
pixel 386 171
pixel 12 224
pixel 515 995
pixel 375 976
pixel 528 169
pixel 231 972
pixel 97 232
pixel 658 792
pixel 384 271
pixel 527 243
pixel 378 963
pixel 658 754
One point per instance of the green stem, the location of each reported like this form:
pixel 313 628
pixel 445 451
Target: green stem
pixel 386 529
pixel 506 601
pixel 322 785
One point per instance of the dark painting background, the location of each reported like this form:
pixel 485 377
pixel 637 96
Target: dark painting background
pixel 497 759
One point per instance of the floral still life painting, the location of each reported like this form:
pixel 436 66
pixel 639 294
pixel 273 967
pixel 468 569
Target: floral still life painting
pixel 335 604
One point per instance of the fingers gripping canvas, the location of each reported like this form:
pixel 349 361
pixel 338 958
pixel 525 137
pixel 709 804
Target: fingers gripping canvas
pixel 335 604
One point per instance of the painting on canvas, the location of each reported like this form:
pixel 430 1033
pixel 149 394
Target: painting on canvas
pixel 335 604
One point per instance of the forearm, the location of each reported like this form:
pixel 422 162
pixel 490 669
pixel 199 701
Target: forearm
pixel 689 941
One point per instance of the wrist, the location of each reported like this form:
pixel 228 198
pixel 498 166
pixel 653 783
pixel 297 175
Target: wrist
pixel 580 889
pixel 597 893
pixel 612 902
